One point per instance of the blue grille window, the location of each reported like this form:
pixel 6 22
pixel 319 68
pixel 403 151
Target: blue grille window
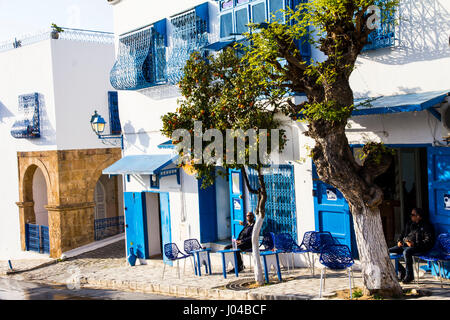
pixel 190 34
pixel 384 35
pixel 27 126
pixel 141 59
pixel 114 120
pixel 259 13
pixel 241 21
pixel 280 205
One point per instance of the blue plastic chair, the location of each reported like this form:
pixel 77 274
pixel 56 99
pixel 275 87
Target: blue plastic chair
pixel 172 253
pixel 286 244
pixel 305 248
pixel 317 240
pixel 439 254
pixel 192 245
pixel 267 244
pixel 335 257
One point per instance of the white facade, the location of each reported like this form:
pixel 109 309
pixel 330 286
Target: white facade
pixel 419 62
pixel 72 76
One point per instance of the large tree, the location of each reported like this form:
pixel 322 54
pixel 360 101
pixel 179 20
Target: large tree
pixel 340 29
pixel 231 100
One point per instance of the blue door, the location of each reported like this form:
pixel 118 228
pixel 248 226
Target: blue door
pixel 332 213
pixel 136 224
pixel 166 233
pixel 439 191
pixel 207 213
pixel 236 202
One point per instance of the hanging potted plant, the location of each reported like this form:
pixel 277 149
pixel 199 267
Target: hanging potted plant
pixel 55 31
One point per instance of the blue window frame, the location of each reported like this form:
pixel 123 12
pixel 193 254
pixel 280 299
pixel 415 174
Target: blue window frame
pixel 226 25
pixel 274 9
pixel 242 19
pixel 114 120
pixel 259 12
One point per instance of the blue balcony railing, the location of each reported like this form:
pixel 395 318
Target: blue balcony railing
pixel 384 35
pixel 141 60
pixel 108 227
pixel 190 34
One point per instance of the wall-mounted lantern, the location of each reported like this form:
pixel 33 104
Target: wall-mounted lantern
pixel 98 125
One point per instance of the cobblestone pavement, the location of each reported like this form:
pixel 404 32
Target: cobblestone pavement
pixel 107 268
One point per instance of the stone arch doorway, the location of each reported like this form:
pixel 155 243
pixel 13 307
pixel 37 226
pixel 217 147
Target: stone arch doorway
pixel 34 217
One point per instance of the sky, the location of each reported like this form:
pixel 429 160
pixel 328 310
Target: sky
pixel 18 17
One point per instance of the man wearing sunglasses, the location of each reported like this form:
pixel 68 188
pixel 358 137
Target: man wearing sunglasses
pixel 416 238
pixel 244 240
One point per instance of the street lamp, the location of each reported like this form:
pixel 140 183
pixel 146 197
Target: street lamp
pixel 98 126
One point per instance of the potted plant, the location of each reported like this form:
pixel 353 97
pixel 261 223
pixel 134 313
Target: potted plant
pixel 56 30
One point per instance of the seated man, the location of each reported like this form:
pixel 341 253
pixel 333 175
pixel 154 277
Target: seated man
pixel 244 240
pixel 416 238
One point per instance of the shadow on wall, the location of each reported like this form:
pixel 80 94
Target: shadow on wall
pixel 422 34
pixel 4 112
pixel 48 133
pixel 139 140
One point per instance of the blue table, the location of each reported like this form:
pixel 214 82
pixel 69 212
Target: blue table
pixel 270 258
pixel 202 256
pixel 230 256
pixel 396 257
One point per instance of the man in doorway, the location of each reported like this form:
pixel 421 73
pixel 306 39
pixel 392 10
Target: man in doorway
pixel 416 238
pixel 244 240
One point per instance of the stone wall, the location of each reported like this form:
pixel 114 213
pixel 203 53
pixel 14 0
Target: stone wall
pixel 71 176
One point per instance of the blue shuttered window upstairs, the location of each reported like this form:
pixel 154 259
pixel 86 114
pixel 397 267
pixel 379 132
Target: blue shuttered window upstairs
pixel 114 119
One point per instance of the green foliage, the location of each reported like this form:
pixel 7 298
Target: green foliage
pixel 376 151
pixel 56 28
pixel 225 93
pixel 357 293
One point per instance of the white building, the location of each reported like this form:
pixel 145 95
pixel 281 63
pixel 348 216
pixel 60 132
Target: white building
pixel 52 159
pixel 412 58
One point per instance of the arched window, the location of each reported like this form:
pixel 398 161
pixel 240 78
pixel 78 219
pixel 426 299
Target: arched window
pixel 100 201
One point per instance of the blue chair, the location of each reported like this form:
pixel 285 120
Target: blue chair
pixel 286 244
pixel 194 249
pixel 317 240
pixel 305 248
pixel 267 244
pixel 172 253
pixel 335 257
pixel 439 254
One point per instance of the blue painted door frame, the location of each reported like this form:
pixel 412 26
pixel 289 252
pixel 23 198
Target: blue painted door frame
pixel 136 224
pixel 332 213
pixel 166 230
pixel 237 209
pixel 439 192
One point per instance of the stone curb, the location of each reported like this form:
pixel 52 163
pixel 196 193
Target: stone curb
pixel 184 291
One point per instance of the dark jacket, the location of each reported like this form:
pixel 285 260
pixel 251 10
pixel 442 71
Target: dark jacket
pixel 421 234
pixel 246 235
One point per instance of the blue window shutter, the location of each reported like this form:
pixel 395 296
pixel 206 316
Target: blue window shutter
pixel 114 120
pixel 226 25
pixel 259 12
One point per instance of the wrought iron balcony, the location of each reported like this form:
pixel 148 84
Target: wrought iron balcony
pixel 141 60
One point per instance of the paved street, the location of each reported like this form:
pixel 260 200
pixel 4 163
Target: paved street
pixel 22 290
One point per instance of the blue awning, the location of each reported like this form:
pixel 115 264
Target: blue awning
pixel 399 103
pixel 166 145
pixel 141 164
pixel 219 45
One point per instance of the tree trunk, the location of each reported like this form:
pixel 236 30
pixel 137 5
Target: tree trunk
pixel 259 276
pixel 377 269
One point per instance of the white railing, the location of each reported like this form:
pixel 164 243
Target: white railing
pixel 68 34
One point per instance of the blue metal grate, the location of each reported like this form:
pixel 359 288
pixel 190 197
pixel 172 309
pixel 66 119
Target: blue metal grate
pixel 141 60
pixel 114 120
pixel 280 205
pixel 27 124
pixel 108 227
pixel 189 34
pixel 384 35
pixel 32 238
pixel 45 239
